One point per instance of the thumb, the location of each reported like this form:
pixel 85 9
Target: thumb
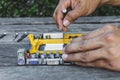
pixel 70 17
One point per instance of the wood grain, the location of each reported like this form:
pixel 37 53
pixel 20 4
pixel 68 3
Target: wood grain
pixel 8 48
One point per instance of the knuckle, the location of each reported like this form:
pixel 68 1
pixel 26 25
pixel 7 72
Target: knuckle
pixel 97 64
pixel 112 52
pixel 71 16
pixel 75 40
pixel 85 56
pixel 78 39
pixel 73 57
pixel 101 63
pixel 109 37
pixel 82 45
pixel 67 48
pixel 114 66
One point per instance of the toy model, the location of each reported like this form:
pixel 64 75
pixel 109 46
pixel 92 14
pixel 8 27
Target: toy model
pixel 45 49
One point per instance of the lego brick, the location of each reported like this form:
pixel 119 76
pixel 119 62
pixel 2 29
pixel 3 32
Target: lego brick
pixel 33 61
pixel 53 35
pixel 53 47
pixel 53 61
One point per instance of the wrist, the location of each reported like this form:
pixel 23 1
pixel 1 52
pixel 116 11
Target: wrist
pixel 111 2
pixel 104 2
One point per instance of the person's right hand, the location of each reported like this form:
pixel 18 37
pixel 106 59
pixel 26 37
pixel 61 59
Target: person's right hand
pixel 99 48
pixel 78 8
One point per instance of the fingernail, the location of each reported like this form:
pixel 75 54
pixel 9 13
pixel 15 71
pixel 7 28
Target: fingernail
pixel 66 23
pixel 60 28
pixel 64 56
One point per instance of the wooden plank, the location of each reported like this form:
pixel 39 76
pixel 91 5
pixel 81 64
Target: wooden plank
pixel 37 29
pixel 8 49
pixel 56 73
pixel 50 28
pixel 42 21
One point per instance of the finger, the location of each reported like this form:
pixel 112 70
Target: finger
pixel 59 15
pixel 59 19
pixel 78 39
pixel 87 56
pixel 98 64
pixel 100 31
pixel 70 17
pixel 84 45
pixel 95 33
pixel 59 25
pixel 54 17
pixel 76 11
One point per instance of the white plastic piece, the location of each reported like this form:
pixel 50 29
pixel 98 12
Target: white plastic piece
pixel 53 61
pixel 4 33
pixel 53 35
pixel 64 11
pixel 16 33
pixel 27 61
pixel 43 61
pixel 40 61
pixel 32 55
pixel 53 47
pixel 26 32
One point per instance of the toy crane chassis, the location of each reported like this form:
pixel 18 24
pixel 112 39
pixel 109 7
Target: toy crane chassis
pixel 45 49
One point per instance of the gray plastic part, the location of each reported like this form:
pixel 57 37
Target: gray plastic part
pixel 21 56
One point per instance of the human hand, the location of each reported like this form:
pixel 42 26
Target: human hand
pixel 78 8
pixel 99 48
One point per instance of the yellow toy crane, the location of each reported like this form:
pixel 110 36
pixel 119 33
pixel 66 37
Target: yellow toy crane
pixel 46 49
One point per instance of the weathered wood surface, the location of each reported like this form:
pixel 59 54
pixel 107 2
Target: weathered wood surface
pixel 8 48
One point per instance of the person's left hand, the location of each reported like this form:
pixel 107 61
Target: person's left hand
pixel 73 10
pixel 99 48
